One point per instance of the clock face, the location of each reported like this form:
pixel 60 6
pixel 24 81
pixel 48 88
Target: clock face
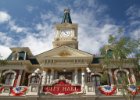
pixel 66 33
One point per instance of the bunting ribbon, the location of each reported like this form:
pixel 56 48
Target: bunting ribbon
pixel 138 89
pixel 107 90
pixel 18 91
pixel 1 88
pixel 132 89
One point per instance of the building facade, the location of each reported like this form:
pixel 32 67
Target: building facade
pixel 64 72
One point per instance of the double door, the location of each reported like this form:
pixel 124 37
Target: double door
pixel 67 75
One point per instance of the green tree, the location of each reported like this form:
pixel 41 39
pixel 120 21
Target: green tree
pixel 120 48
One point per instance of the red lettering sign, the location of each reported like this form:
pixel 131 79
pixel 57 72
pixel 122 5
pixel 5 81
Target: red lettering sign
pixel 62 88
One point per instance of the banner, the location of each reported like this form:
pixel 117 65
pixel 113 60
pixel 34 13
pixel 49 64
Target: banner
pixel 61 87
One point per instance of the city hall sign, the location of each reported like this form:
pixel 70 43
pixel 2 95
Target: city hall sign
pixel 62 87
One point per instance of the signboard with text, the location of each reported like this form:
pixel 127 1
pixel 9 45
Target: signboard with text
pixel 62 88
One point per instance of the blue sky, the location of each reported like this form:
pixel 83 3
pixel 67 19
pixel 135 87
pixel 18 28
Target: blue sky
pixel 30 23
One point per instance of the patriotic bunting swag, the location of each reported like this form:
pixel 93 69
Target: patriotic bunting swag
pixel 1 88
pixel 132 89
pixel 107 90
pixel 18 91
pixel 138 89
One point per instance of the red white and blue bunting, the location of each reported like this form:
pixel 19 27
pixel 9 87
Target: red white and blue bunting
pixel 132 89
pixel 107 89
pixel 1 88
pixel 18 91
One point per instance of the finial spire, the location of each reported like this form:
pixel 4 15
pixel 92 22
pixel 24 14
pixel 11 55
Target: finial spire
pixel 66 17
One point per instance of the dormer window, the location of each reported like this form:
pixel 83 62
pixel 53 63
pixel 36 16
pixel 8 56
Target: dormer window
pixel 18 56
pixel 110 53
pixel 22 55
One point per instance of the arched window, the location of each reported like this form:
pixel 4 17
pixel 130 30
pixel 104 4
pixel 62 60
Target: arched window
pixel 9 78
pixel 34 79
pixel 96 80
pixel 122 77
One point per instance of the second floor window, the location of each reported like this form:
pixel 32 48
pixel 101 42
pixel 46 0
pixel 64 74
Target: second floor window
pixel 122 77
pixel 96 80
pixel 9 77
pixel 34 79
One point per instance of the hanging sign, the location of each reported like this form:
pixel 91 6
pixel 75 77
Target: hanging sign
pixel 61 87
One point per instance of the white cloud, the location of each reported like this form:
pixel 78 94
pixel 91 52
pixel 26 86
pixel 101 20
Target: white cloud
pixel 97 37
pixel 50 17
pixel 94 27
pixel 6 40
pixel 4 52
pixel 4 17
pixel 41 41
pixel 37 45
pixel 30 8
pixel 16 28
pixel 93 34
pixel 133 12
pixel 135 33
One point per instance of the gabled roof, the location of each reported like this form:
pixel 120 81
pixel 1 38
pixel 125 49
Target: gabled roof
pixel 63 52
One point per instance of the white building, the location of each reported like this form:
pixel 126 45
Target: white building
pixel 64 72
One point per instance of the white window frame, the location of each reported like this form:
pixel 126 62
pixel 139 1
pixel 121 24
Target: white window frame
pixel 31 76
pixel 10 71
pixel 124 70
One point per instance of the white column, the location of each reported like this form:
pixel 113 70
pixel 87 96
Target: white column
pixel 52 75
pixel 48 78
pixel 133 76
pixel 83 77
pixel 19 78
pixel 44 74
pixel 17 56
pixel 55 75
pixel 25 56
pixel 76 76
pixel 0 73
pixel 111 77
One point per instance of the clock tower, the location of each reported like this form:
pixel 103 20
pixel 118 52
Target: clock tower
pixel 66 32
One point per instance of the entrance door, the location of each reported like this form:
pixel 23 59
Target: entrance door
pixel 67 75
pixel 96 82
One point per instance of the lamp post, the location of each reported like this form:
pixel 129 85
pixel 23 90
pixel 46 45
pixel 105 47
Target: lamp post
pixel 36 86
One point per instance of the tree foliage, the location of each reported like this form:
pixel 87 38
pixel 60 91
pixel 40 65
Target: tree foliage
pixel 121 48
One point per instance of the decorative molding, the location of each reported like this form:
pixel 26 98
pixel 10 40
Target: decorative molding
pixel 64 53
pixel 11 71
pixel 124 70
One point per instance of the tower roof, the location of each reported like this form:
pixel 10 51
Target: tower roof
pixel 66 17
